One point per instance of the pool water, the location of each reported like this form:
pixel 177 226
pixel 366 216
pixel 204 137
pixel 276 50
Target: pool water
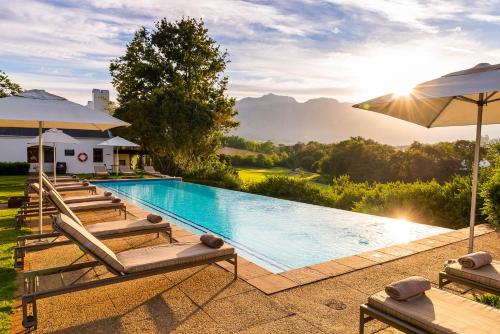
pixel 277 234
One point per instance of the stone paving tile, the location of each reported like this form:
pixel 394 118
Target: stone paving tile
pixel 289 325
pixel 355 262
pixel 445 238
pixel 58 319
pixel 377 256
pixel 250 271
pixel 197 322
pixel 331 268
pixel 396 251
pixel 212 283
pixel 370 280
pixel 272 283
pixel 329 305
pixel 245 310
pixel 304 275
pixel 431 242
pixel 415 246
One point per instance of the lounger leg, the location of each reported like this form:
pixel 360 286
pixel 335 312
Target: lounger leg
pixel 19 255
pixel 362 320
pixel 442 280
pixel 235 267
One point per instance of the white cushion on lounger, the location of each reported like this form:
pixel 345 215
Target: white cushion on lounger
pixel 136 260
pixel 123 226
pixel 440 312
pixel 79 234
pixel 487 275
pixel 95 205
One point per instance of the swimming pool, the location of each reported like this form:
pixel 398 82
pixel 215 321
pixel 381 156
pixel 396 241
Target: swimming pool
pixel 276 234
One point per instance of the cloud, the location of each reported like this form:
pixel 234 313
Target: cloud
pixel 349 50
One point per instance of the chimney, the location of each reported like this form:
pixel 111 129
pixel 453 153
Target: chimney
pixel 100 100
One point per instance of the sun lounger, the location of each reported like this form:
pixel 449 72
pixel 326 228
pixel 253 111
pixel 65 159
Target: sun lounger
pixel 486 278
pixel 436 311
pixel 100 171
pixel 125 170
pixel 67 187
pixel 151 171
pixel 107 204
pixel 104 230
pixel 127 265
pixel 68 199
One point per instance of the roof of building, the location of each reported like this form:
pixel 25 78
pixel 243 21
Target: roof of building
pixel 29 132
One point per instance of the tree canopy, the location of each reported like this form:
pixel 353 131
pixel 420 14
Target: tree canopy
pixel 7 87
pixel 171 88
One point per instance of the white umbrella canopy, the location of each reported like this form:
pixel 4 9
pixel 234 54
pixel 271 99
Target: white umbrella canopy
pixel 118 142
pixel 54 136
pixel 27 109
pixel 468 97
pixel 38 109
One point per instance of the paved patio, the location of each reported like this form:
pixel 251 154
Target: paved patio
pixel 207 300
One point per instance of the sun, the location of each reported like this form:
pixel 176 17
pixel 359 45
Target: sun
pixel 403 90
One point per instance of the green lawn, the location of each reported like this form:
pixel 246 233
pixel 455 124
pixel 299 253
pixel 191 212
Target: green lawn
pixel 253 174
pixel 9 186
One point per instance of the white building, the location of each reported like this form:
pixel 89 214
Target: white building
pixel 14 145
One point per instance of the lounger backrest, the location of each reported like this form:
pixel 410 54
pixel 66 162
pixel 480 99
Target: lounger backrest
pixel 100 169
pixel 47 184
pixel 78 234
pixel 58 202
pixel 149 169
pixel 125 169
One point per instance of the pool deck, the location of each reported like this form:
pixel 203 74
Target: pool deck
pixel 322 298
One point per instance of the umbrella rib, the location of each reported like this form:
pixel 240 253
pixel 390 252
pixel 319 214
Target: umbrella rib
pixel 465 99
pixel 490 96
pixel 439 113
pixel 495 100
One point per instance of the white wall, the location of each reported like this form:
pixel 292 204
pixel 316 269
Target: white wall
pixel 15 149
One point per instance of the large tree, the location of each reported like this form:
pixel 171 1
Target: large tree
pixel 7 87
pixel 172 89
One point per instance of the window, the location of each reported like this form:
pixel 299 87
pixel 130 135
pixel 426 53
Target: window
pixel 69 153
pixel 98 155
pixel 48 154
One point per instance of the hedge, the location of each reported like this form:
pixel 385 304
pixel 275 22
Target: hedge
pixel 14 168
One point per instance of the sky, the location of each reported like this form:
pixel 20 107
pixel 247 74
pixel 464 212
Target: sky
pixel 351 50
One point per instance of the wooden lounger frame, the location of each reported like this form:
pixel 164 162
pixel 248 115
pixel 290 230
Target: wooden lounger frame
pixel 31 295
pixel 368 313
pixel 446 278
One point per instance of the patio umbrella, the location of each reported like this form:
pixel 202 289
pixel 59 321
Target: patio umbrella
pixel 468 97
pixel 54 136
pixel 38 109
pixel 118 142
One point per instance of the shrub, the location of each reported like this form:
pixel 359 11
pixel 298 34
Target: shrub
pixel 490 192
pixel 14 168
pixel 489 299
pixel 290 188
pixel 215 173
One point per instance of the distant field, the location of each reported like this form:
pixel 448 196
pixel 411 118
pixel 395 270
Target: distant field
pixel 253 174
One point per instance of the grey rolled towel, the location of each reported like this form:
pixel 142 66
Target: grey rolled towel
pixel 155 219
pixel 408 288
pixel 86 184
pixel 108 193
pixel 475 260
pixel 212 241
pixel 74 176
pixel 116 200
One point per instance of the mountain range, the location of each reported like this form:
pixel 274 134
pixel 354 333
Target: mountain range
pixel 282 119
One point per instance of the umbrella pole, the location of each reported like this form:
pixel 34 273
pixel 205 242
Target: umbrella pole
pixel 475 173
pixel 40 183
pixel 54 163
